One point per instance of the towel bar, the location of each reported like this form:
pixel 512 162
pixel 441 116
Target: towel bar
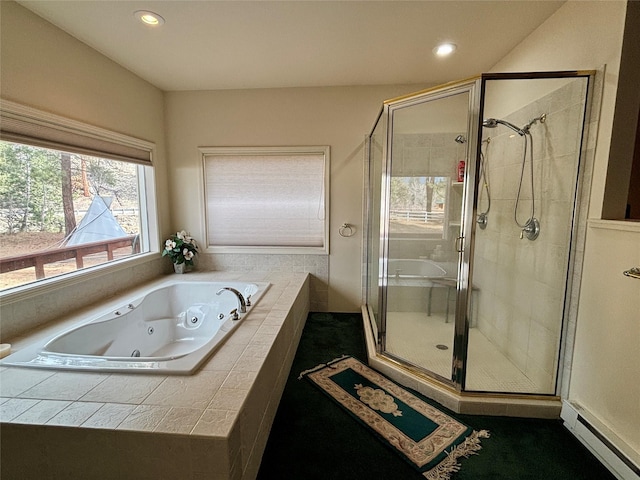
pixel 632 272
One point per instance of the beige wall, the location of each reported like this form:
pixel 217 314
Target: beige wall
pixel 579 36
pixel 604 378
pixel 588 35
pixel 336 116
pixel 44 68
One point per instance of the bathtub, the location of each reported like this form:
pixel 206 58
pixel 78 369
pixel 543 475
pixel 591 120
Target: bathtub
pixel 414 269
pixel 171 329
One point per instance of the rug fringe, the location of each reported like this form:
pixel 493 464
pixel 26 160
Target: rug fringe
pixel 450 465
pixel 322 365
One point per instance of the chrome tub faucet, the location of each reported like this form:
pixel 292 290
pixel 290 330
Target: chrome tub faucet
pixel 242 304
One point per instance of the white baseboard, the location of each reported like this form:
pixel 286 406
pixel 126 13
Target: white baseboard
pixel 602 442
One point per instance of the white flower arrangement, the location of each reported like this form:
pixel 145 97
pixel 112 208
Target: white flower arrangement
pixel 180 248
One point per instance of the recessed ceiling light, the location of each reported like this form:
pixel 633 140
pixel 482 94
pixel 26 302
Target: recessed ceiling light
pixel 444 49
pixel 149 18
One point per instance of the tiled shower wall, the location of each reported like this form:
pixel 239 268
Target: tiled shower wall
pixel 520 284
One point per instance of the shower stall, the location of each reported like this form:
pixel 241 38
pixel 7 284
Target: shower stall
pixel 472 205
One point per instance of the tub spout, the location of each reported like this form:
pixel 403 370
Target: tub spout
pixel 242 305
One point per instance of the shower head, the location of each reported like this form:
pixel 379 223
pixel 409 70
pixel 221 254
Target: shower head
pixel 460 139
pixel 494 122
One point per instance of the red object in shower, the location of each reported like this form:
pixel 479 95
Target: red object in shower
pixel 461 171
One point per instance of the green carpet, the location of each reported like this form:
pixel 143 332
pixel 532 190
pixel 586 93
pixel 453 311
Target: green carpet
pixel 313 438
pixel 431 441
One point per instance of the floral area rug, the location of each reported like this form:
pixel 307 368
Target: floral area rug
pixel 430 440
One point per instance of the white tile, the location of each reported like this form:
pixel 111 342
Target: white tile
pixel 75 414
pixel 263 339
pixel 179 420
pixel 229 399
pixel 64 386
pixel 242 335
pixel 225 357
pixel 215 423
pixel 267 330
pixel 239 380
pixel 144 418
pixel 41 412
pixel 195 391
pixel 14 407
pixel 109 416
pixel 14 381
pixel 124 389
pixel 252 358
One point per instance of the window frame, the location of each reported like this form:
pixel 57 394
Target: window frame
pixel 149 234
pixel 257 151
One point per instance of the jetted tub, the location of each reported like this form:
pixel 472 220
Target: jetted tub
pixel 172 328
pixel 414 269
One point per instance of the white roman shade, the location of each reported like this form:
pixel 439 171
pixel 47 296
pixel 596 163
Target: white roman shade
pixel 266 197
pixel 26 125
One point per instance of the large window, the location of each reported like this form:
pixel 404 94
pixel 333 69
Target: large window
pixel 72 197
pixel 267 199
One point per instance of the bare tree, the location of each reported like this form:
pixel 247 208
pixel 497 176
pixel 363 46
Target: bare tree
pixel 67 194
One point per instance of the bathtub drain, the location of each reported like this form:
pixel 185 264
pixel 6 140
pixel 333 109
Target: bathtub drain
pixel 136 353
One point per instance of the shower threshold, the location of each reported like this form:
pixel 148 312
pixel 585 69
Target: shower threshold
pixel 473 403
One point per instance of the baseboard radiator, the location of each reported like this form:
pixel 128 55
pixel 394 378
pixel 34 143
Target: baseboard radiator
pixel 617 456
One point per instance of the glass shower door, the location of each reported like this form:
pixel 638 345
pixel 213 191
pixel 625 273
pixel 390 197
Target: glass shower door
pixel 474 200
pixel 375 145
pixel 531 144
pixel 422 238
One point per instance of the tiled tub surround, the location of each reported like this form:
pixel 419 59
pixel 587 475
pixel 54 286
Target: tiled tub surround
pixel 22 313
pixel 213 424
pixel 316 265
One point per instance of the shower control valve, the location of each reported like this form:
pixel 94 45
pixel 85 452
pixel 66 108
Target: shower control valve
pixel 531 229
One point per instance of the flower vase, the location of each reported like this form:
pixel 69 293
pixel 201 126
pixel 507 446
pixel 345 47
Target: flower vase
pixel 180 267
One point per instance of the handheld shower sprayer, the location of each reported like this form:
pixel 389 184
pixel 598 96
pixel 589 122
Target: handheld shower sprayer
pixel 531 227
pixel 494 122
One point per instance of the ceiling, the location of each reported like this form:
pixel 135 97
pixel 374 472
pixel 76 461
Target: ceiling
pixel 208 45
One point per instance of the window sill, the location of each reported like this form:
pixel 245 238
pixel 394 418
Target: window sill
pixel 270 250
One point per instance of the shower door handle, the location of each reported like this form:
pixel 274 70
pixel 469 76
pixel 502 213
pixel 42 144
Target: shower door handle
pixel 459 244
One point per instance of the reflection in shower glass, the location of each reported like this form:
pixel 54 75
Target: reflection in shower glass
pixel 425 202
